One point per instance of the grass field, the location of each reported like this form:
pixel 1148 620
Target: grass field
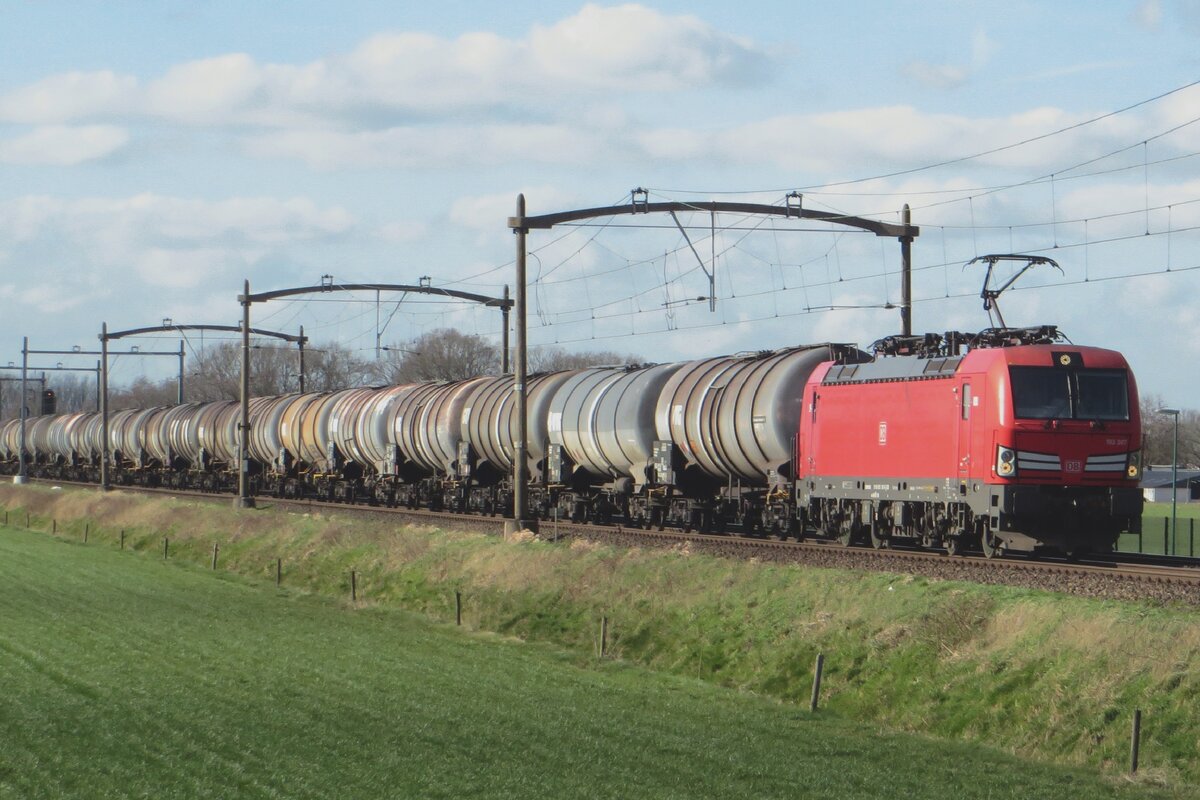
pixel 127 677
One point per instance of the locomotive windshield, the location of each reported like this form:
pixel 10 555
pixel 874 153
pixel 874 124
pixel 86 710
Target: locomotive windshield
pixel 1050 393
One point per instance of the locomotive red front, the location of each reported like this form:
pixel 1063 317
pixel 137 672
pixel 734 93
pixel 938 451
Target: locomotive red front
pixel 1014 448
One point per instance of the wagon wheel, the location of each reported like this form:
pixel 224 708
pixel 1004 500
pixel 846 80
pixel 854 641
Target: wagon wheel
pixel 954 545
pixel 879 539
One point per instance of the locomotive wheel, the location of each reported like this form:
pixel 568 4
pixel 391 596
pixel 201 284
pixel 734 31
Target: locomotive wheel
pixel 992 547
pixel 954 546
pixel 845 534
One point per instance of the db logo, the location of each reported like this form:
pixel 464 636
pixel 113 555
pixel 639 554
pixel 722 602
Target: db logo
pixel 1074 466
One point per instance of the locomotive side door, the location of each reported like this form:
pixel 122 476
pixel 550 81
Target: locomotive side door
pixel 968 402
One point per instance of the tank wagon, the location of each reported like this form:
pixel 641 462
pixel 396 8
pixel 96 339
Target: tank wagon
pixel 1006 440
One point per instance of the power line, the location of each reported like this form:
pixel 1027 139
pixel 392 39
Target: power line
pixel 958 160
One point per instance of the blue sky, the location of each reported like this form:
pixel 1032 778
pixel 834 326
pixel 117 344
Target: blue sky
pixel 154 155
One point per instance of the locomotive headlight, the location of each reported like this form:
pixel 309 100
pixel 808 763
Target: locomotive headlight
pixel 1006 462
pixel 1134 470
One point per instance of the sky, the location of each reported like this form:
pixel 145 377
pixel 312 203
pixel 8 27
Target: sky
pixel 153 156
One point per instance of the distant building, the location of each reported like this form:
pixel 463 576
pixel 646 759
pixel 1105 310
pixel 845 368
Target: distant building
pixel 1156 484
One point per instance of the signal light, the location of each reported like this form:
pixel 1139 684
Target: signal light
pixel 1006 462
pixel 49 402
pixel 1134 470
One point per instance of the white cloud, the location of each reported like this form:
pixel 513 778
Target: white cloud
pixel 209 90
pixel 409 74
pixel 936 76
pixel 626 45
pixel 952 76
pixel 51 299
pixel 187 268
pixel 402 231
pixel 128 246
pixel 484 213
pixel 432 147
pixel 62 145
pixel 1148 15
pixel 70 96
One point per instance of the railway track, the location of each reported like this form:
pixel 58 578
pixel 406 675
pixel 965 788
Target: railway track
pixel 1120 576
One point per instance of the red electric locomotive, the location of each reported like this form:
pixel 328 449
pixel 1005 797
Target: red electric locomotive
pixel 1011 440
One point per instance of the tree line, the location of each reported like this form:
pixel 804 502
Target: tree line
pixel 214 373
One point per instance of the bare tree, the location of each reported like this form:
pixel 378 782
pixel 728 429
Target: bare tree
pixel 1158 434
pixel 553 359
pixel 440 355
pixel 331 367
pixel 75 392
pixel 274 370
pixel 144 393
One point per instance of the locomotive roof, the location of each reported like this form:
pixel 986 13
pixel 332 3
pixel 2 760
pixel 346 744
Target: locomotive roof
pixel 893 369
pixel 924 367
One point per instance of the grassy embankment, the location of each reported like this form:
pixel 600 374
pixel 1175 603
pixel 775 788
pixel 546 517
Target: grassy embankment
pixel 128 678
pixel 1049 677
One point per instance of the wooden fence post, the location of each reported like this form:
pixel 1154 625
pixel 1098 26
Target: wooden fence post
pixel 122 538
pixel 216 549
pixel 54 526
pixel 816 687
pixel 278 571
pixel 1135 741
pixel 87 527
pixel 603 636
pixel 457 607
pixel 166 544
pixel 353 586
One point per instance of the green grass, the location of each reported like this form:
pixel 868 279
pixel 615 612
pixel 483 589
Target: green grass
pixel 1044 676
pixel 128 678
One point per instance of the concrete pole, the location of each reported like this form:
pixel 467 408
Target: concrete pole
pixel 104 407
pixel 906 280
pixel 244 500
pixel 521 517
pixel 22 468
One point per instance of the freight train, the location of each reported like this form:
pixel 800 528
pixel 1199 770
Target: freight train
pixel 1003 441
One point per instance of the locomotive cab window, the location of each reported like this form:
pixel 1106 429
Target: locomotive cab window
pixel 1051 393
pixel 1103 394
